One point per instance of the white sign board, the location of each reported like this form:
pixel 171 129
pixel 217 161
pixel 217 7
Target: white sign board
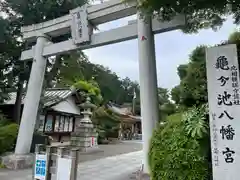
pixel 94 142
pixel 80 25
pixel 40 169
pixel 224 111
pixel 64 168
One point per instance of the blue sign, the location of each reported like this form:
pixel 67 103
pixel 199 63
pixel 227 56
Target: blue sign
pixel 40 167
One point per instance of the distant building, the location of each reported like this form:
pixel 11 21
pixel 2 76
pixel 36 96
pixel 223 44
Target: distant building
pixel 59 115
pixel 61 111
pixel 130 124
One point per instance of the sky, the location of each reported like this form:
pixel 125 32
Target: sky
pixel 172 49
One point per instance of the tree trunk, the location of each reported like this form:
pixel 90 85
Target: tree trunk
pixel 41 106
pixel 22 77
pixel 18 102
pixel 50 75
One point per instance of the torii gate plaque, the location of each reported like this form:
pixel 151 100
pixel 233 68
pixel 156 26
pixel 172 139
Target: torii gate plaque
pixel 78 22
pixel 80 25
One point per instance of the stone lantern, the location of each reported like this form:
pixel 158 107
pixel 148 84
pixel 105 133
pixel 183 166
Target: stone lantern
pixel 85 136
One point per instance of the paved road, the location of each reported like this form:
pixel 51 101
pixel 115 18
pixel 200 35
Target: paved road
pixel 112 150
pixel 119 167
pixel 115 162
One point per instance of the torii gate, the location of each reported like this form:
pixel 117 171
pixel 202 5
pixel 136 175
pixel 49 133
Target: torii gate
pixel 79 22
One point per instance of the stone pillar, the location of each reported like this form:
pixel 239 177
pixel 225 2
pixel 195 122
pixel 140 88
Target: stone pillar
pixel 133 128
pixel 32 98
pixel 120 135
pixel 148 83
pixel 85 135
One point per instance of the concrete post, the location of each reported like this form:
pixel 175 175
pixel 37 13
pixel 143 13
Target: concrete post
pixel 32 99
pixel 74 166
pixel 120 131
pixel 49 151
pixel 148 83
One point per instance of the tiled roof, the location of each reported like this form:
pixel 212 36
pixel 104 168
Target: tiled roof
pixel 122 111
pixel 51 96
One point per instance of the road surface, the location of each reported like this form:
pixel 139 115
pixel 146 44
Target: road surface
pixel 117 162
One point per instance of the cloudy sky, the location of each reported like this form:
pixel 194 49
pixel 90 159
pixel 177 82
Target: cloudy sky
pixel 172 49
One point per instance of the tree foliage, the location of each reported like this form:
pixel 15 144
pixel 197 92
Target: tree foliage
pixel 163 95
pixel 89 89
pixel 106 123
pixel 193 83
pixel 180 148
pixel 112 87
pixel 22 13
pixel 8 134
pixel 199 13
pixel 166 107
pixel 30 12
pixel 192 89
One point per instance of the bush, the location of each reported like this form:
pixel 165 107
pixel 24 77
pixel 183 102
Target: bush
pixel 8 136
pixel 179 150
pixel 3 120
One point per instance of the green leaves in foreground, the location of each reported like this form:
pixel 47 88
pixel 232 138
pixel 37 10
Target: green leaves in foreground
pixel 195 122
pixel 179 150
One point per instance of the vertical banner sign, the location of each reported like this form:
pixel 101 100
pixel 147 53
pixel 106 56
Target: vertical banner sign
pixel 80 26
pixel 40 169
pixel 224 111
pixel 93 141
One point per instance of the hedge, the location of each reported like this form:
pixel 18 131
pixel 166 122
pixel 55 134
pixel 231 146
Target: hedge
pixel 179 150
pixel 8 136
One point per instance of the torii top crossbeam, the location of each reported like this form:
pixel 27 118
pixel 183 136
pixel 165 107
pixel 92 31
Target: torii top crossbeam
pixel 92 15
pixel 96 14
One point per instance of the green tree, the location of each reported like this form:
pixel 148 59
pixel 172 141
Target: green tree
pixel 180 148
pixel 182 71
pixel 112 87
pixel 163 96
pixel 27 12
pixel 9 51
pixel 71 70
pixel 89 89
pixel 106 122
pixel 192 89
pixel 166 107
pixel 193 85
pixel 175 94
pixel 30 12
pixel 199 13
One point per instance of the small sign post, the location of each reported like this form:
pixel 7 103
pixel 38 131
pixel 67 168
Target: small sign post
pixel 40 171
pixel 67 167
pixel 64 167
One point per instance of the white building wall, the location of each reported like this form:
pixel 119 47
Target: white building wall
pixel 67 106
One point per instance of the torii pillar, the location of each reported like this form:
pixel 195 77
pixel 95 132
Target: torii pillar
pixel 148 84
pixel 32 99
pixel 22 159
